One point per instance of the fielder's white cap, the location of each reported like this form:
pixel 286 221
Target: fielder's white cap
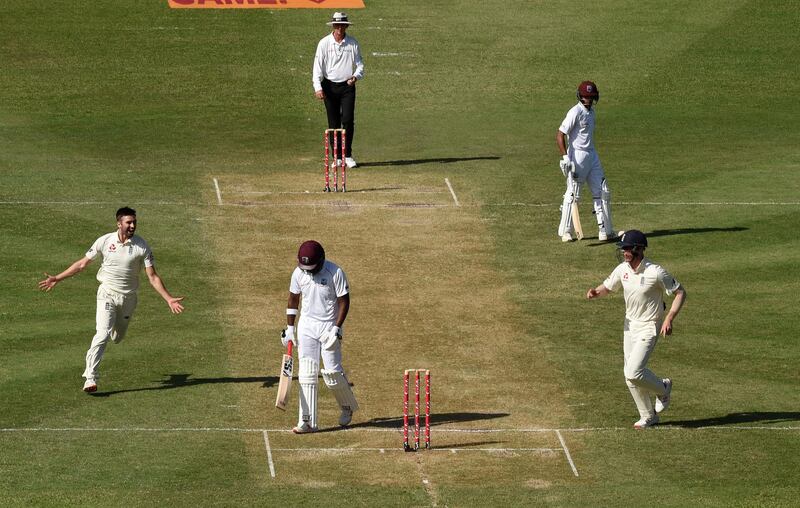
pixel 339 18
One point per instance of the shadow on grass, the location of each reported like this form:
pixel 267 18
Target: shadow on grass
pixel 737 418
pixel 670 232
pixel 184 380
pixel 411 162
pixel 436 419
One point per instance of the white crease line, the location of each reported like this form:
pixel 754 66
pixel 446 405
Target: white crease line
pixel 219 194
pixel 378 205
pixel 92 203
pixel 662 428
pixel 710 203
pixel 455 198
pixel 435 449
pixel 566 452
pixel 144 29
pixel 269 455
pixel 377 53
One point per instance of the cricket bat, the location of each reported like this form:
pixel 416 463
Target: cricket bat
pixel 576 218
pixel 285 384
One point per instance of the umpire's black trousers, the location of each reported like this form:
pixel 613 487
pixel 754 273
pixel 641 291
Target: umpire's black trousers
pixel 340 104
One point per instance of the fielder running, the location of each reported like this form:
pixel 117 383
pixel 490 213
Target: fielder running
pixel 644 284
pixel 123 256
pixel 580 163
pixel 325 304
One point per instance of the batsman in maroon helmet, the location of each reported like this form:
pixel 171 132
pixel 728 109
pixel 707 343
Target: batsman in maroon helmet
pixel 580 163
pixel 319 298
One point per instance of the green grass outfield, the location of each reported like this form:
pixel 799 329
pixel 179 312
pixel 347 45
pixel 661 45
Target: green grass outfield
pixel 447 236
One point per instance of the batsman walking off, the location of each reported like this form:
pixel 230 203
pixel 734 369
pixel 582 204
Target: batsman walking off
pixel 337 67
pixel 325 303
pixel 644 284
pixel 580 163
pixel 124 254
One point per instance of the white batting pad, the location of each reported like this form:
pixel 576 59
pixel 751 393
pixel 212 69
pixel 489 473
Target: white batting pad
pixel 605 196
pixel 565 226
pixel 341 389
pixel 309 371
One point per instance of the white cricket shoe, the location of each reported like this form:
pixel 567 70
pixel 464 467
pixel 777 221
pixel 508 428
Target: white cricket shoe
pixel 604 237
pixel 646 422
pixel 351 162
pixel 346 417
pixel 662 402
pixel 304 428
pixel 566 237
pixel 90 386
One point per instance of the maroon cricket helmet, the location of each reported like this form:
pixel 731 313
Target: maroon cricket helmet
pixel 310 256
pixel 588 89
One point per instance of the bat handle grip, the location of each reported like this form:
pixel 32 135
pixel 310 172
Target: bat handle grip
pixel 289 348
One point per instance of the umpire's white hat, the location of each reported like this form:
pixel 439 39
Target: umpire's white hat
pixel 339 18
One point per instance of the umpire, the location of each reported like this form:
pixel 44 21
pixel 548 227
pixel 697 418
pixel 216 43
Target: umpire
pixel 337 67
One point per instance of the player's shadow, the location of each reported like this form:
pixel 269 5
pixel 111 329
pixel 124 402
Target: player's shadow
pixel 690 231
pixel 185 380
pixel 764 417
pixel 411 162
pixel 396 422
pixel 673 232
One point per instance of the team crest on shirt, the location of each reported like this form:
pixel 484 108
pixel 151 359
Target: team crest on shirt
pixel 624 276
pixel 323 282
pixel 112 247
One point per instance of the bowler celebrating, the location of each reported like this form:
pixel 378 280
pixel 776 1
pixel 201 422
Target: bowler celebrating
pixel 644 284
pixel 124 254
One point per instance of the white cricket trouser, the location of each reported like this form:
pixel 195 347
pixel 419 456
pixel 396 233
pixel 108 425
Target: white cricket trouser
pixel 309 347
pixel 114 313
pixel 588 169
pixel 309 334
pixel 640 338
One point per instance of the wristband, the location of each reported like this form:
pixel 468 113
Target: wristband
pixel 291 312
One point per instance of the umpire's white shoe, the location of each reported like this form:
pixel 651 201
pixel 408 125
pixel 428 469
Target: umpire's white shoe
pixel 566 237
pixel 646 422
pixel 662 402
pixel 351 162
pixel 90 386
pixel 346 417
pixel 304 428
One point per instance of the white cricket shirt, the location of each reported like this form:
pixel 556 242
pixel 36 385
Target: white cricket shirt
pixel 335 61
pixel 643 288
pixel 578 125
pixel 320 291
pixel 122 262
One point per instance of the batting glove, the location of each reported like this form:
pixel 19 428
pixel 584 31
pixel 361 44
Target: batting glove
pixel 288 336
pixel 566 165
pixel 330 339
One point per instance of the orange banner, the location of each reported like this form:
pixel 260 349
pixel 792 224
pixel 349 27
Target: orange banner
pixel 266 4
